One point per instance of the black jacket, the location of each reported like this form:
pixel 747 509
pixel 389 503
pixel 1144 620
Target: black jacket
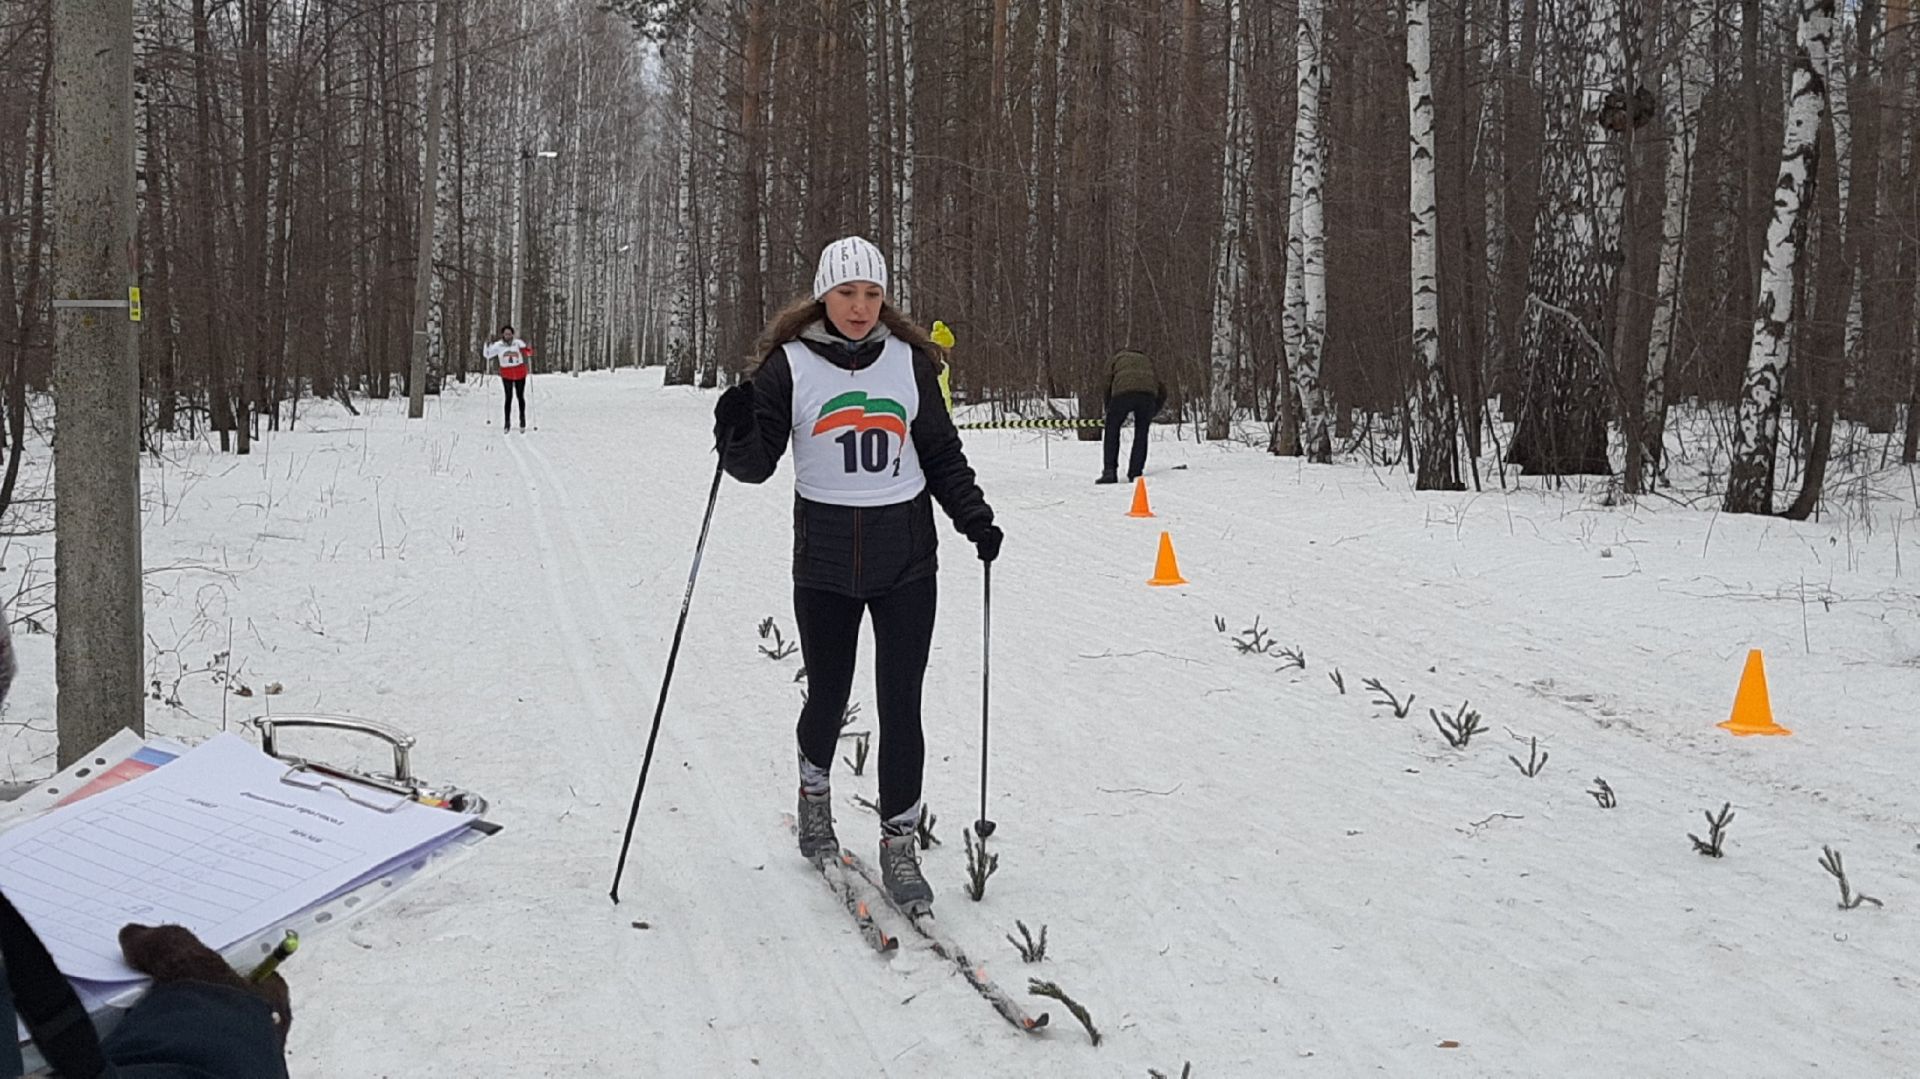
pixel 862 551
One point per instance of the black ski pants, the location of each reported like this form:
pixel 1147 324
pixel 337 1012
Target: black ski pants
pixel 1142 407
pixel 902 635
pixel 515 387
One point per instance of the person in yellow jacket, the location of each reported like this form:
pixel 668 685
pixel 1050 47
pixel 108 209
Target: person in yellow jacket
pixel 944 338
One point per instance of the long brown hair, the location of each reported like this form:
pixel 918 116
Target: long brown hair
pixel 798 315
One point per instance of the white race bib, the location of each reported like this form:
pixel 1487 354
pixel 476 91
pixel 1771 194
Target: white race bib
pixel 853 430
pixel 508 355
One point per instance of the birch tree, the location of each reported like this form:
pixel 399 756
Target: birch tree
pixel 1683 85
pixel 1606 110
pixel 429 218
pixel 1230 256
pixel 903 260
pixel 1307 239
pixel 680 364
pixel 1864 202
pixel 1293 305
pixel 1562 426
pixel 1834 338
pixel 1756 431
pixel 1438 467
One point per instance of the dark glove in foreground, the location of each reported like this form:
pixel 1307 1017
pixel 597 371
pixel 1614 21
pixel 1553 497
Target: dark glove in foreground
pixel 171 953
pixel 986 539
pixel 733 412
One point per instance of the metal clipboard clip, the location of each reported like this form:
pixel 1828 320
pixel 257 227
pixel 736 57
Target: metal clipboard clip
pixel 382 792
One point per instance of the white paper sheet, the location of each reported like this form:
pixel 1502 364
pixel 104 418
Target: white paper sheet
pixel 214 841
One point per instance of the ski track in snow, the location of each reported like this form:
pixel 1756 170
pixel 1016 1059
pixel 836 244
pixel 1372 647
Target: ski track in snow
pixel 613 745
pixel 714 924
pixel 1238 865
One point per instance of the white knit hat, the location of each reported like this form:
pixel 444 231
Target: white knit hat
pixel 849 259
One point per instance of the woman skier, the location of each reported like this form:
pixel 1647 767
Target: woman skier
pixel 511 354
pixel 854 386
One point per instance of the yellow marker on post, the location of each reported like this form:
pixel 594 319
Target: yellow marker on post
pixel 133 304
pixel 943 337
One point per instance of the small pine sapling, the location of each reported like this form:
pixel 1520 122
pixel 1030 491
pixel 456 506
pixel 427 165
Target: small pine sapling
pixel 862 742
pixel 1186 1072
pixel 1295 657
pixel 864 804
pixel 781 648
pixel 1047 989
pixel 924 830
pixel 1255 641
pixel 1459 727
pixel 1849 899
pixel 1603 794
pixel 1386 699
pixel 1339 682
pixel 1716 832
pixel 1219 624
pixel 1536 760
pixel 980 866
pixel 1031 950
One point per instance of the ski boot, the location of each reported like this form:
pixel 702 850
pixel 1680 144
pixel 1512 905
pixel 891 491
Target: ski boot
pixel 1107 477
pixel 813 823
pixel 900 872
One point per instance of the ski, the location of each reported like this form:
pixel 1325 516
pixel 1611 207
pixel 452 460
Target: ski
pixel 839 877
pixel 946 948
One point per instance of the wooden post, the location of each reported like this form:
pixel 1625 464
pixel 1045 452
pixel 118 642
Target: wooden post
pixel 99 651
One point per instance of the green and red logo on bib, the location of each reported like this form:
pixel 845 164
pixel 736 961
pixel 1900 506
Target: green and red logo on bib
pixel 858 412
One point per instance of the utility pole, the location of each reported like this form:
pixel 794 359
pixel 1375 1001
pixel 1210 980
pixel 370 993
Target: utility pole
pixel 99 650
pixel 520 196
pixel 429 202
pixel 577 325
pixel 519 235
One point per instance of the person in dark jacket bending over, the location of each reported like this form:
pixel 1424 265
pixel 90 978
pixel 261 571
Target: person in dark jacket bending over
pixel 1134 388
pixel 854 386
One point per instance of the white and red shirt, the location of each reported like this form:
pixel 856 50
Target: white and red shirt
pixel 511 356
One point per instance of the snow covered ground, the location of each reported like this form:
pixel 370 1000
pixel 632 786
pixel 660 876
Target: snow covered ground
pixel 1239 865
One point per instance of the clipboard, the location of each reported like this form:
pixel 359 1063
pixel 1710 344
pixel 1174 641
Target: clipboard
pixel 119 759
pixel 394 788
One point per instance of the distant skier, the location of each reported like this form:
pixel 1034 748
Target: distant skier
pixel 855 386
pixel 1134 388
pixel 512 355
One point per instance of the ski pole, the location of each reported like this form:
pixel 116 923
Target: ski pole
pixel 666 679
pixel 984 827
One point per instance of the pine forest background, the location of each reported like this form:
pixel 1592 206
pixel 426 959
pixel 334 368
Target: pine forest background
pixel 1470 238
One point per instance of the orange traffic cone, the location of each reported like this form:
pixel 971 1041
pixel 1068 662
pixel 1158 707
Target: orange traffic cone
pixel 1166 570
pixel 1140 507
pixel 1752 714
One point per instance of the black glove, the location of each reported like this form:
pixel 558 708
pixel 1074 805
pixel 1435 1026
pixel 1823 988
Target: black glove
pixel 171 953
pixel 733 413
pixel 986 538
